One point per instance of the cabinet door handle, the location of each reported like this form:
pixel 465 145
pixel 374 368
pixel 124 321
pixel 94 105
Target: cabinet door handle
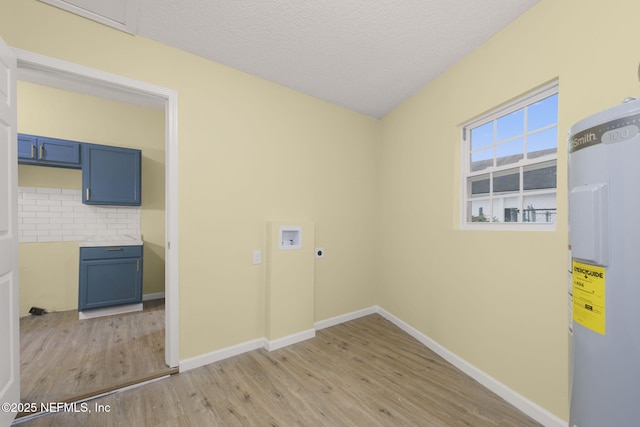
pixel 114 249
pixel 33 151
pixel 87 193
pixel 137 265
pixel 41 155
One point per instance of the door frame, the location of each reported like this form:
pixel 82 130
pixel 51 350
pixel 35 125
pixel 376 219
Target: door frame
pixel 103 84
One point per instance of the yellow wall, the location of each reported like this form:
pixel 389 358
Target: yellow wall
pixel 49 271
pixel 48 276
pixel 290 280
pixel 250 152
pixel 496 299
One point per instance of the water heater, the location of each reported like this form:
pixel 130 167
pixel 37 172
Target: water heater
pixel 604 228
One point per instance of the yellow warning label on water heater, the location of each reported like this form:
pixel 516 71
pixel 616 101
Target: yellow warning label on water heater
pixel 588 296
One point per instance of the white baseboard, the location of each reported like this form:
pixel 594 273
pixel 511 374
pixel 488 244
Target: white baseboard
pixel 149 297
pixel 108 311
pixel 225 353
pixel 214 356
pixel 530 408
pixel 535 411
pixel 345 318
pixel 290 339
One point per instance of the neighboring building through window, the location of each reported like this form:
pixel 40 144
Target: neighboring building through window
pixel 509 163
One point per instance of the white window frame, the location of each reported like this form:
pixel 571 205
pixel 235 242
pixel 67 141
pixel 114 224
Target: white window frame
pixel 465 173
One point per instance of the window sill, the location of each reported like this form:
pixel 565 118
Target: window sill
pixel 487 226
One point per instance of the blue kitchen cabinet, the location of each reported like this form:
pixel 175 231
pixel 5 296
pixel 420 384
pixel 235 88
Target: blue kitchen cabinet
pixel 111 175
pixel 45 151
pixel 110 276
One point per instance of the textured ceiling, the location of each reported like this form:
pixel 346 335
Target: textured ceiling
pixel 365 55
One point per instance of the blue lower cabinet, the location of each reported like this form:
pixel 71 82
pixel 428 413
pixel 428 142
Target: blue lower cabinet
pixel 110 276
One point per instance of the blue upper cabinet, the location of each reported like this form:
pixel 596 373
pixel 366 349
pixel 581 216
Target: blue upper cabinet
pixel 111 175
pixel 27 148
pixel 44 151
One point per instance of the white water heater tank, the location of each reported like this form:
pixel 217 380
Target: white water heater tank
pixel 604 228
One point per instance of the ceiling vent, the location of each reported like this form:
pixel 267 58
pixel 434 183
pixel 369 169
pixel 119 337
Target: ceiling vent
pixel 119 14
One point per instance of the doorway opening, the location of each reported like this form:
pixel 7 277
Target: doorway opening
pixel 64 75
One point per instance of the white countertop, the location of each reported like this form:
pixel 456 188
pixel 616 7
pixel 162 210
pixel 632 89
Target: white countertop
pixel 112 240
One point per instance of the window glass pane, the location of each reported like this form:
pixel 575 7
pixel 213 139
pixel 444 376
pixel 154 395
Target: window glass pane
pixel 510 175
pixel 507 181
pixel 539 208
pixel 479 211
pixel 510 152
pixel 542 113
pixel 542 143
pixel 481 136
pixel 510 125
pixel 479 185
pixel 511 215
pixel 540 177
pixel 482 159
pixel 505 209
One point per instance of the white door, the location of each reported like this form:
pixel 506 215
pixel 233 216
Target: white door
pixel 9 316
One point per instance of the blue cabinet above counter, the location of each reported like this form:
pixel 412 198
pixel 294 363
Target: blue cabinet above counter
pixel 45 151
pixel 110 175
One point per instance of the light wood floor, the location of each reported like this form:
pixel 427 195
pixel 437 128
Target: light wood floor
pixel 365 372
pixel 62 357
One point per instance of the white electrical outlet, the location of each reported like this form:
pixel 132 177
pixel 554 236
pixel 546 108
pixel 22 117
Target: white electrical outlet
pixel 257 257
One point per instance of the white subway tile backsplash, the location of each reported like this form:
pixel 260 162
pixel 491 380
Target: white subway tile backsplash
pixel 48 215
pixel 33 208
pixel 96 226
pixel 117 215
pixel 57 214
pixel 85 220
pixel 35 221
pixel 61 221
pixel 73 226
pixel 48 190
pixel 54 238
pixel 72 215
pixel 49 226
pixel 60 209
pixel 48 202
pixel 35 196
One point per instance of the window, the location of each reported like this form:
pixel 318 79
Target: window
pixel 510 163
